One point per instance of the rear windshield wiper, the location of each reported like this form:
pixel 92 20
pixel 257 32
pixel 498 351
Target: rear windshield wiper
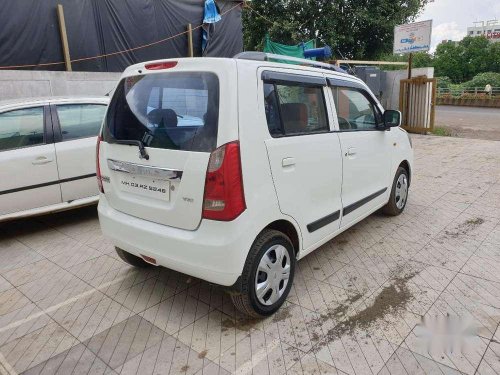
pixel 132 142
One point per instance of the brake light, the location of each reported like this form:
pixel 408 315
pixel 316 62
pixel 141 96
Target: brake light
pixel 98 165
pixel 224 198
pixel 161 65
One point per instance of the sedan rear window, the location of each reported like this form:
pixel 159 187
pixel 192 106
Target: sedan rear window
pixel 177 111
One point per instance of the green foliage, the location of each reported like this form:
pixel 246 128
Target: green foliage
pixel 363 29
pixel 448 61
pixel 357 28
pixel 420 60
pixel 463 60
pixel 460 61
pixel 442 132
pixel 443 82
pixel 483 79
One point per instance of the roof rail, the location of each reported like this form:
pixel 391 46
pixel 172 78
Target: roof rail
pixel 264 56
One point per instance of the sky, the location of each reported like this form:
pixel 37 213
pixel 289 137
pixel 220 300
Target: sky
pixel 452 17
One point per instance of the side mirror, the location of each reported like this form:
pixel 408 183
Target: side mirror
pixel 392 118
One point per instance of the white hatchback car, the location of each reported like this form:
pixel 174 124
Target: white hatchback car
pixel 230 170
pixel 47 154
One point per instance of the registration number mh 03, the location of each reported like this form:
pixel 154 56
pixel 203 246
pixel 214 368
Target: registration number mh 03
pixel 148 187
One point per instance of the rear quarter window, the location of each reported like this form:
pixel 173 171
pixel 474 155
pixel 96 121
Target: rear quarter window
pixel 177 111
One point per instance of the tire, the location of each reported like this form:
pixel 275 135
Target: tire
pixel 132 259
pixel 269 244
pixel 397 202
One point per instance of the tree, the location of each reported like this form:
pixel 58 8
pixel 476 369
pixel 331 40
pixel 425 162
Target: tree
pixel 355 28
pixel 463 60
pixel 476 56
pixel 420 60
pixel 495 57
pixel 448 61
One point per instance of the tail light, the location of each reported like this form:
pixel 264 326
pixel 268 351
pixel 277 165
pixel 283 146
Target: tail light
pixel 98 165
pixel 224 198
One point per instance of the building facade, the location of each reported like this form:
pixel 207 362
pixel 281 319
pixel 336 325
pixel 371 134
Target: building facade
pixel 490 29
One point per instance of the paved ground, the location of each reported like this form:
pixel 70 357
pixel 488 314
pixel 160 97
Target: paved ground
pixel 469 122
pixel 68 305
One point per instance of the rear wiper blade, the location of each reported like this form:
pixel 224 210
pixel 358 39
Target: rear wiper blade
pixel 132 142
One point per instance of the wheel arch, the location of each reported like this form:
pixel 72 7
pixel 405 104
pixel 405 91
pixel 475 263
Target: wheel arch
pixel 287 228
pixel 406 165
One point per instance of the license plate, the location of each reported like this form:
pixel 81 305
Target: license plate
pixel 147 187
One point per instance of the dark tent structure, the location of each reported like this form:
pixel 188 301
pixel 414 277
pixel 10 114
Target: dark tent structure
pixel 30 34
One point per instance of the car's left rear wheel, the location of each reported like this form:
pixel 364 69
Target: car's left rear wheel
pixel 267 275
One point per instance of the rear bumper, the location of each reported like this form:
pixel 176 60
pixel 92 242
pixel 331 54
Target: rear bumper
pixel 214 252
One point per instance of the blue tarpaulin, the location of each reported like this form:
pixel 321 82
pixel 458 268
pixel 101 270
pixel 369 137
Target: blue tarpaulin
pixel 211 12
pixel 210 17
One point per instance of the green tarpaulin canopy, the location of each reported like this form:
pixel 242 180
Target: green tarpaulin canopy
pixel 283 49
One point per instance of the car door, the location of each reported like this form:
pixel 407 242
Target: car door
pixel 365 150
pixel 304 154
pixel 76 126
pixel 28 172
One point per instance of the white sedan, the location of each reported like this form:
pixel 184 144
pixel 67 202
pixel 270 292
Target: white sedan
pixel 47 154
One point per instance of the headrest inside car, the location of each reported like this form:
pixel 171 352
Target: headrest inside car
pixel 294 116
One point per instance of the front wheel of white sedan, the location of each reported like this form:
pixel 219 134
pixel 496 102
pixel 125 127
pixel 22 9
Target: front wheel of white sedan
pixel 267 275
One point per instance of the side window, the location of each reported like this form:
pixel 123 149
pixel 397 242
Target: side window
pixel 21 128
pixel 354 110
pixel 295 109
pixel 80 120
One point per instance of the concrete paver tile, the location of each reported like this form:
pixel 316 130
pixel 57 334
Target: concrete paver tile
pixel 14 254
pixel 21 321
pixel 76 360
pixel 31 272
pixel 124 341
pixel 36 347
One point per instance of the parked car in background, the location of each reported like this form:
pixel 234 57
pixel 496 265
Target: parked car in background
pixel 47 154
pixel 230 170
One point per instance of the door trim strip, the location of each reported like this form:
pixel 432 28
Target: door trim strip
pixel 352 207
pixel 16 190
pixel 320 223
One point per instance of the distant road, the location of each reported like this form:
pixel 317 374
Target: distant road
pixel 469 122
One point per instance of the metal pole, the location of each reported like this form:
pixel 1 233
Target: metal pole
pixel 64 37
pixel 190 41
pixel 410 64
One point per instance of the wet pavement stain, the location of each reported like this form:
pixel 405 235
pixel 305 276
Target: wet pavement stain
pixel 282 314
pixel 241 324
pixel 392 298
pixel 465 228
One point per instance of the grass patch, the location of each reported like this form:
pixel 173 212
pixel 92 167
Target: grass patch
pixel 442 132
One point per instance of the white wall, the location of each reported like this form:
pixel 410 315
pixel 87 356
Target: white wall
pixel 16 84
pixel 390 98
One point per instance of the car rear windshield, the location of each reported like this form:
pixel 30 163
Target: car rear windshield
pixel 177 111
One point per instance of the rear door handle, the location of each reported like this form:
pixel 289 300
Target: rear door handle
pixel 288 162
pixel 41 160
pixel 351 151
